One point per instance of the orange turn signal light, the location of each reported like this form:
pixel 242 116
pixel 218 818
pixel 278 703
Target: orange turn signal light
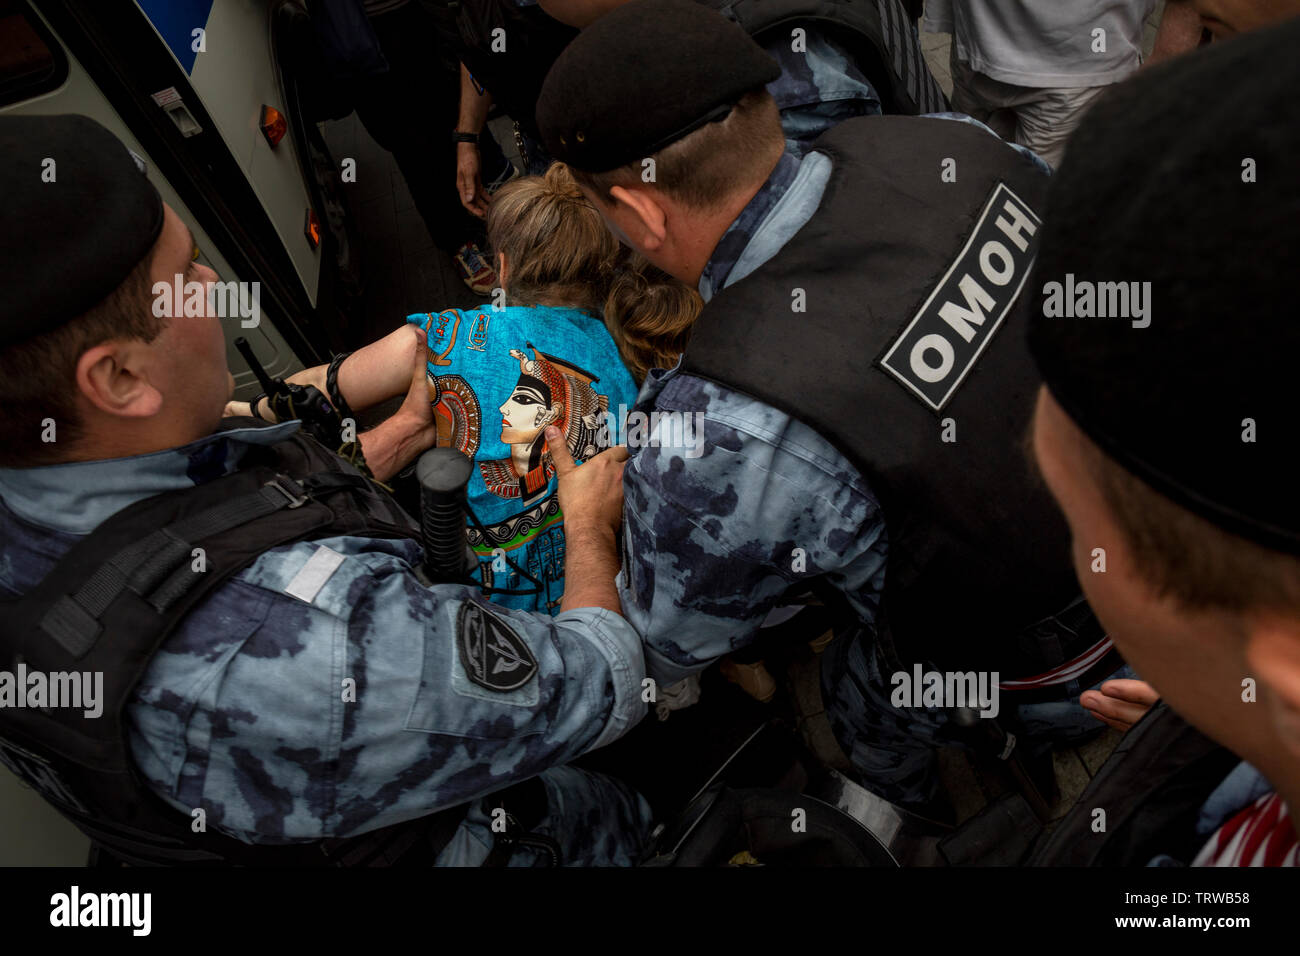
pixel 273 124
pixel 312 229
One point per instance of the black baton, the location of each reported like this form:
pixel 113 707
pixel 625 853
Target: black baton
pixel 442 474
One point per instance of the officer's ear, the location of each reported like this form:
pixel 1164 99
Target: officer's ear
pixel 643 219
pixel 110 376
pixel 1273 653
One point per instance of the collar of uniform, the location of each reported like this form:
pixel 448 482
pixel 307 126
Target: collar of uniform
pixel 734 241
pixel 78 496
pixel 655 381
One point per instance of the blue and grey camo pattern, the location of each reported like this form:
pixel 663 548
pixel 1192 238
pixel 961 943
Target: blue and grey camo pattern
pixel 892 749
pixel 714 542
pixel 736 240
pixel 1042 165
pixel 595 820
pixel 287 720
pixel 818 88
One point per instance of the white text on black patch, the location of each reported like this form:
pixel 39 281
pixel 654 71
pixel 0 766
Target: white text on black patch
pixel 946 336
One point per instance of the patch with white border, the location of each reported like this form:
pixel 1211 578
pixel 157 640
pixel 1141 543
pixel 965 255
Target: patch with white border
pixel 935 351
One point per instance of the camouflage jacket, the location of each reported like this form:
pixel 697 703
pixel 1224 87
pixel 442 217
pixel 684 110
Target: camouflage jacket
pixel 818 87
pixel 344 708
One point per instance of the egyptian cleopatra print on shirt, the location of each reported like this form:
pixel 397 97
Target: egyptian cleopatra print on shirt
pixel 549 392
pixel 534 366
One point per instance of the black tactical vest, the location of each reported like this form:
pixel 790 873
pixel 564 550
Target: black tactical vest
pixel 116 596
pixel 887 325
pixel 877 33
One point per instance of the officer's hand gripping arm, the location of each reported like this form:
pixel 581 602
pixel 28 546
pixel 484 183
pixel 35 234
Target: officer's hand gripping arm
pixel 394 443
pixel 591 500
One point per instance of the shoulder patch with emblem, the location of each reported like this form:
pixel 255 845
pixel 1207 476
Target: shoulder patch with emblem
pixel 493 655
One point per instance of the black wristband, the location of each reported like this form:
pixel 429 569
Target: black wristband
pixel 252 406
pixel 458 137
pixel 332 388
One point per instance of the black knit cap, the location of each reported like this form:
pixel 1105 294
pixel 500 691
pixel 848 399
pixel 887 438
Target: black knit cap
pixel 1151 190
pixel 642 77
pixel 71 230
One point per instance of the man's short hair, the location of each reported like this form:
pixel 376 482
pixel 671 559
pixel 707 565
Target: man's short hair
pixel 1183 556
pixel 38 377
pixel 704 167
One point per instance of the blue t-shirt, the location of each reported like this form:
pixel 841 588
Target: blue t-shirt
pixel 498 377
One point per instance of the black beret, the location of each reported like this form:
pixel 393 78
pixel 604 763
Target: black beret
pixel 642 77
pixel 1185 177
pixel 78 214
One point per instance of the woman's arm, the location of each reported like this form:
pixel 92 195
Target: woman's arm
pixel 381 370
pixel 368 376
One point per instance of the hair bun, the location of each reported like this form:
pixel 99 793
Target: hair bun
pixel 560 183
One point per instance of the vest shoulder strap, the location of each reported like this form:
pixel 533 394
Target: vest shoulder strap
pixel 113 599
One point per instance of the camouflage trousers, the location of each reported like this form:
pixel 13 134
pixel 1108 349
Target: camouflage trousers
pixel 593 819
pixel 894 750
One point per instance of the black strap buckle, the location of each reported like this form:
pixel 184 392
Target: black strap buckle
pixel 295 500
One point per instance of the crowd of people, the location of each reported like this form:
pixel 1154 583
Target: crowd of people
pixel 825 288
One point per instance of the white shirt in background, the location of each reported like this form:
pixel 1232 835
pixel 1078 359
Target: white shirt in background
pixel 1044 43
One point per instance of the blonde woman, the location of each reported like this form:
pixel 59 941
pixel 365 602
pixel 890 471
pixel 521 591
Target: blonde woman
pixel 501 372
pixel 650 315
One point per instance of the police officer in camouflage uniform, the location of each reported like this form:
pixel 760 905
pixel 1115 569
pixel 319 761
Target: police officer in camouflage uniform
pixel 323 691
pixel 823 80
pixel 818 86
pixel 686 164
